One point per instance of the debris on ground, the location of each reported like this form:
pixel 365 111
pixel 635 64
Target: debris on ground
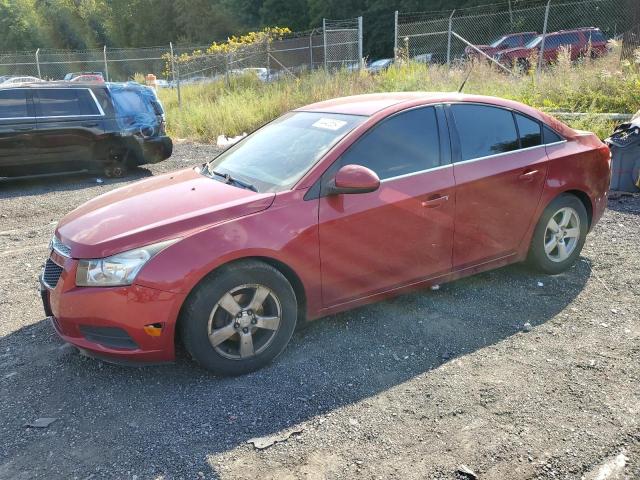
pixel 612 469
pixel 435 287
pixel 527 327
pixel 43 422
pixel 260 443
pixel 465 472
pixel 224 142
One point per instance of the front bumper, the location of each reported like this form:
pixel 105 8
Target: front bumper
pixel 110 322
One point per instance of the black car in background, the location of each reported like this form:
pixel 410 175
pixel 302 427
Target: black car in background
pixel 61 127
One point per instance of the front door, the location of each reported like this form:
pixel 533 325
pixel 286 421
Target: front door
pixel 500 175
pixel 17 128
pixel 69 125
pixel 401 233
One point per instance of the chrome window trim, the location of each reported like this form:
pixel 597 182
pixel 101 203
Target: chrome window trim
pixel 518 150
pixel 405 175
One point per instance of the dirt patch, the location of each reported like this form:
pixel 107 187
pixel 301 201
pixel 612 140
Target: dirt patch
pixel 409 388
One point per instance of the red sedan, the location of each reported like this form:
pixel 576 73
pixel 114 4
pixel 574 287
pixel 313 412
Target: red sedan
pixel 334 205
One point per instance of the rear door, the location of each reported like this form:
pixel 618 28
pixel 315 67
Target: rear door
pixel 69 124
pixel 401 233
pixel 17 128
pixel 500 170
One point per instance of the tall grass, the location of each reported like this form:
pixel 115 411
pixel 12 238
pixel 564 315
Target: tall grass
pixel 593 86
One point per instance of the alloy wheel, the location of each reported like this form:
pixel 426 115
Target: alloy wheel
pixel 562 234
pixel 244 321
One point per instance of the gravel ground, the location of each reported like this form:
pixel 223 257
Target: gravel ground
pixel 410 388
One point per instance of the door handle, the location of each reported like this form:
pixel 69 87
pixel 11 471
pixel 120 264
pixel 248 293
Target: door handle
pixel 22 129
pixel 528 175
pixel 435 202
pixel 94 124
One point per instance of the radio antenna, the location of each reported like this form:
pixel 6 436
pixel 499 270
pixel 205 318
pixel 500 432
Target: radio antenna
pixel 466 77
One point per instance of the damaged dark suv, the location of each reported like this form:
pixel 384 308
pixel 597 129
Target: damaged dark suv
pixel 57 127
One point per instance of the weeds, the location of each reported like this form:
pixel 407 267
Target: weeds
pixel 590 85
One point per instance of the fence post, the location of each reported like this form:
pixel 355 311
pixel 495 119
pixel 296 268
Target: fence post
pixel 395 39
pixel 106 66
pixel 449 38
pixel 38 62
pixel 510 17
pixel 176 81
pixel 324 34
pixel 544 36
pixel 268 59
pixel 360 38
pixel 311 49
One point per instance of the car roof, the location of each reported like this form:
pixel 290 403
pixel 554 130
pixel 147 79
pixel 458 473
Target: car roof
pixel 371 104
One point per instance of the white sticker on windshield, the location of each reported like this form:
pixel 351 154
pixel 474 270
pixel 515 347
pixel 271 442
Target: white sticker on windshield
pixel 329 124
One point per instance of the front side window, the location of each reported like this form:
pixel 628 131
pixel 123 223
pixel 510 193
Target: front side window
pixel 484 130
pixel 530 131
pixel 13 104
pixel 402 144
pixel 279 154
pixel 66 102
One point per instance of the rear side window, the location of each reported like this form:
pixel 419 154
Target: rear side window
pixel 405 143
pixel 569 38
pixel 596 36
pixel 66 102
pixel 13 104
pixel 550 136
pixel 530 131
pixel 484 130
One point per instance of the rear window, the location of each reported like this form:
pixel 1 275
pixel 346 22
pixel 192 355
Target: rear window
pixel 66 103
pixel 129 102
pixel 13 104
pixel 484 130
pixel 530 131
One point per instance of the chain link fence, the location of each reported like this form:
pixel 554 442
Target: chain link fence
pixel 456 35
pixel 338 44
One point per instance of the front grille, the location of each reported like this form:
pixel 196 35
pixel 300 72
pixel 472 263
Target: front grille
pixel 60 247
pixel 51 274
pixel 110 337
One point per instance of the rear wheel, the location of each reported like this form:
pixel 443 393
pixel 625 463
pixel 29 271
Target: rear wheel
pixel 239 319
pixel 559 235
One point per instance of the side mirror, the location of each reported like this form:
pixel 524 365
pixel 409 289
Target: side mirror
pixel 354 179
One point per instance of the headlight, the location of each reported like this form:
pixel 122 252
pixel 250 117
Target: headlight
pixel 119 269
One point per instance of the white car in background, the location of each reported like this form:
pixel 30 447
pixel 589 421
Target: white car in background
pixel 17 80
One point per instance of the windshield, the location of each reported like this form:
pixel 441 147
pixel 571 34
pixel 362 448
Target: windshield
pixel 534 43
pixel 497 42
pixel 276 156
pixel 381 63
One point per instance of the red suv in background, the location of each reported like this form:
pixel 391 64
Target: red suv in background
pixel 579 41
pixel 512 40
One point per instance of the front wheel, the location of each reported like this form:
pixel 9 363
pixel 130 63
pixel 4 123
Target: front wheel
pixel 239 319
pixel 559 236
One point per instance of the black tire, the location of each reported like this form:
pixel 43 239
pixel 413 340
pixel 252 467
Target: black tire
pixel 115 170
pixel 203 303
pixel 538 258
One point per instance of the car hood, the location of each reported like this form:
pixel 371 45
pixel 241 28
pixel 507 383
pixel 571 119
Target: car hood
pixel 516 52
pixel 156 209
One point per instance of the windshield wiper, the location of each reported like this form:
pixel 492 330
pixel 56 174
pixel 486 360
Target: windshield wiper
pixel 228 179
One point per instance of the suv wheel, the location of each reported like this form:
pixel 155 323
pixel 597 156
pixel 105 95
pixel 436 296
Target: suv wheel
pixel 115 170
pixel 559 236
pixel 239 319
